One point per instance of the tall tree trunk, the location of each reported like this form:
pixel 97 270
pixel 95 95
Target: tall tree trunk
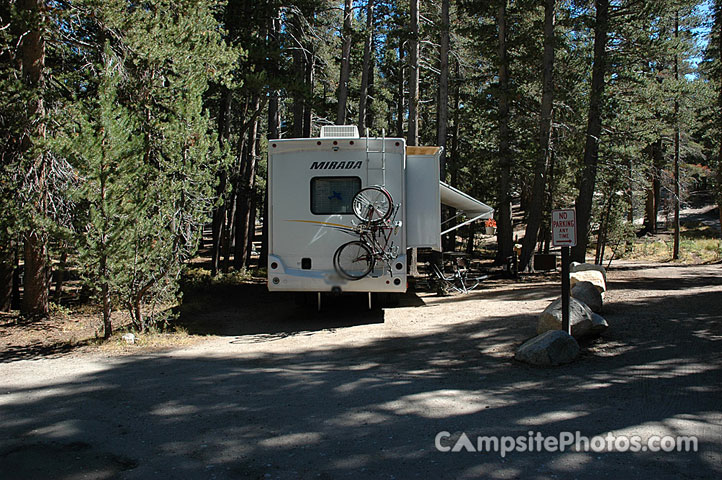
pixel 229 228
pixel 630 191
pixel 60 276
pixel 453 163
pixel 470 239
pixel 443 86
pixel 7 266
pixel 401 93
pixel 549 203
pixel 307 105
pixel 103 271
pixel 540 165
pixel 413 138
pixel 658 166
pixel 105 291
pixel 17 300
pixel 443 120
pixel 274 125
pixel 251 238
pixel 371 93
pixel 107 311
pixel 273 132
pixel 649 216
pixel 37 272
pixel 136 312
pixel 594 130
pixel 675 249
pixel 449 240
pixel 604 226
pixel 718 28
pixel 654 192
pixel 36 280
pixel 229 221
pixel 241 194
pixel 219 214
pixel 263 254
pixel 366 70
pixel 345 63
pixel 504 225
pixel 252 212
pixel 297 106
pixel 524 193
pixel 245 197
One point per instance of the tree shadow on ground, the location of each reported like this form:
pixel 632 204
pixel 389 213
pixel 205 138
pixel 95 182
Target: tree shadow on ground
pixel 690 278
pixel 14 353
pixel 372 408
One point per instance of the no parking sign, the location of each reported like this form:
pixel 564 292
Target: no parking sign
pixel 564 234
pixel 564 227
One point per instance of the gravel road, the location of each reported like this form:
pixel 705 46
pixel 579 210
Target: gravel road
pixel 283 392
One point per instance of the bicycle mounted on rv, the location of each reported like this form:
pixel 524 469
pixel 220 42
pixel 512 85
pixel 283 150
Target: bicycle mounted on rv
pixel 375 208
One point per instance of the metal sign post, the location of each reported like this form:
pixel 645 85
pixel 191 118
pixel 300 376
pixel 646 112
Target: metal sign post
pixel 565 290
pixel 564 235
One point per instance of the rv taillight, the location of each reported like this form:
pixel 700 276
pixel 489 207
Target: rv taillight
pixel 274 265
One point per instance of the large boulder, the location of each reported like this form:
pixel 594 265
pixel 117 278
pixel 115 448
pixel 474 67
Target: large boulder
pixel 584 267
pixel 552 347
pixel 598 324
pixel 593 276
pixel 580 318
pixel 588 294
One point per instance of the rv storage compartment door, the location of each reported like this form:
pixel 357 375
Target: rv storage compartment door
pixel 423 201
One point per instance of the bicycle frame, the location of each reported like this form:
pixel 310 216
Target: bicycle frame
pixel 377 236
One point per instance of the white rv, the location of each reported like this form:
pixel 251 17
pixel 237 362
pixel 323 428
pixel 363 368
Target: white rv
pixel 345 210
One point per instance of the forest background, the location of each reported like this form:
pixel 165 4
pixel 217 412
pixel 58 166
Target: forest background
pixel 127 127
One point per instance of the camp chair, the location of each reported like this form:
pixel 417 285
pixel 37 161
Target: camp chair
pixel 460 280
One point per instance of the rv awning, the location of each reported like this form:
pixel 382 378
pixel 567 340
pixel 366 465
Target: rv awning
pixel 472 208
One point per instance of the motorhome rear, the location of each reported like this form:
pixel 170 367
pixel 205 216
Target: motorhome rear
pixel 312 183
pixel 315 186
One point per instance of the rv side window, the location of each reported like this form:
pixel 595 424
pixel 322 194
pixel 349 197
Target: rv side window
pixel 333 195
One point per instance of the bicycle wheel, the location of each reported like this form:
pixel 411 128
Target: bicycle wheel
pixel 372 204
pixel 353 260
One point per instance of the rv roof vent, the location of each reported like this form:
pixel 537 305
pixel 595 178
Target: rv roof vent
pixel 339 131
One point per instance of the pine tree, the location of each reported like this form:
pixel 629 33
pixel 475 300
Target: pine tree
pixel 594 130
pixel 505 227
pixel 168 180
pixel 12 107
pixel 413 136
pixel 104 149
pixel 443 99
pixel 367 66
pixel 345 63
pixel 37 270
pixel 715 54
pixel 543 155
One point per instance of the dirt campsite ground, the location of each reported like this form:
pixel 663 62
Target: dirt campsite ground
pixel 268 389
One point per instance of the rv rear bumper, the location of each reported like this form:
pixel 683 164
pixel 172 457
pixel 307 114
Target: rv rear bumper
pixel 285 279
